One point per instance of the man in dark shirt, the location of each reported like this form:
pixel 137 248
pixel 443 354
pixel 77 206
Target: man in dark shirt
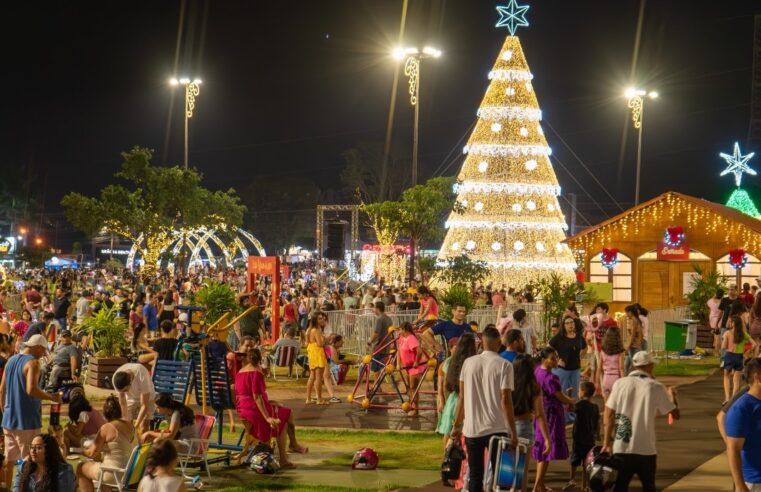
pixel 61 305
pixel 379 339
pixel 252 324
pixel 448 329
pixel 166 346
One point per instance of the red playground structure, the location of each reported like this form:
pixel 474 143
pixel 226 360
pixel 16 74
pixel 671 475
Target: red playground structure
pixel 386 357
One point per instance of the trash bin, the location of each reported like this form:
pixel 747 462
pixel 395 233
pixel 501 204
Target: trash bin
pixel 681 335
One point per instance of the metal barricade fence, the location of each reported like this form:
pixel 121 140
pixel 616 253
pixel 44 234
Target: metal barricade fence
pixel 356 326
pixel 657 325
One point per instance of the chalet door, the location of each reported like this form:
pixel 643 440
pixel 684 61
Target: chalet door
pixel 661 283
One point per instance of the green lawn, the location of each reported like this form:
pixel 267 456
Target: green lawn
pixel 686 367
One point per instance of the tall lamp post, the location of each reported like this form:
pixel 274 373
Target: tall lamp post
pixel 192 89
pixel 636 99
pixel 412 58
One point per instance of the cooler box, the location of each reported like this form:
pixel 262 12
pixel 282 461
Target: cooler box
pixel 681 335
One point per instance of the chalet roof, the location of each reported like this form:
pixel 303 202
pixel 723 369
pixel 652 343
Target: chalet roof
pixel 730 213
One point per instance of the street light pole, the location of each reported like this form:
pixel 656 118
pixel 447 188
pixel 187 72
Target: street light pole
pixel 192 90
pixel 637 106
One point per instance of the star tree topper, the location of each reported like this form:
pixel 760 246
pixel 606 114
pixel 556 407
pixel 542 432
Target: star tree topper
pixel 512 16
pixel 738 164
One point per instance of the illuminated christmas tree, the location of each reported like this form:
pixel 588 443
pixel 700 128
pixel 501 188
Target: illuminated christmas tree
pixel 738 165
pixel 507 187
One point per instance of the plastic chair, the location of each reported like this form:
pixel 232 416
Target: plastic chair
pixel 196 449
pixel 284 357
pixel 126 478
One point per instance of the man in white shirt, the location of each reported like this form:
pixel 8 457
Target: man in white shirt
pixel 630 412
pixel 83 306
pixel 136 393
pixel 485 406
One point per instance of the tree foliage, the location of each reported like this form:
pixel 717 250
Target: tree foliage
pixel 556 296
pixel 386 220
pixel 424 208
pixel 281 212
pixel 362 177
pixel 456 294
pixel 461 270
pixel 704 287
pixel 156 202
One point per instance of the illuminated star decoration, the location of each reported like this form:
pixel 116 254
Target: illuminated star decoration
pixel 513 16
pixel 738 164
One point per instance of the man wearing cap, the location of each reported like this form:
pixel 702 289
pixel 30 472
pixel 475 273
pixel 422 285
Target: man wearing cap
pixel 20 398
pixel 630 412
pixel 136 393
pixel 65 357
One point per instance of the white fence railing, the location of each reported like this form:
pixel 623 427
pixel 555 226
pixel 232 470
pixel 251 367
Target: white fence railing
pixel 356 326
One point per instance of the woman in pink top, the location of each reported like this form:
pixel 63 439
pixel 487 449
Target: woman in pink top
pixel 429 306
pixel 612 355
pixel 414 361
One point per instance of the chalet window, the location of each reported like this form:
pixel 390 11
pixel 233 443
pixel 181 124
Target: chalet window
pixel 748 274
pixel 620 276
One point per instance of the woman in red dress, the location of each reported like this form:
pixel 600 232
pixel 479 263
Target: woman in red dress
pixel 264 420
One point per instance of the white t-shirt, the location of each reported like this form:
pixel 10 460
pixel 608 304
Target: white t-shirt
pixel 484 377
pixel 141 383
pixel 82 304
pixel 528 336
pixel 637 399
pixel 160 484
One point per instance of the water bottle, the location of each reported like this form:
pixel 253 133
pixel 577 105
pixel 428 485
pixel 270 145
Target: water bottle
pixel 55 414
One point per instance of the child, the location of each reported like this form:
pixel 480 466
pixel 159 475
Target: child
pixel 736 342
pixel 585 432
pixel 162 461
pixel 612 365
pixel 413 361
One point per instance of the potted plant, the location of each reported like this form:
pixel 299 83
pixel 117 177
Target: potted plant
pixel 556 296
pixel 704 286
pixel 217 299
pixel 106 334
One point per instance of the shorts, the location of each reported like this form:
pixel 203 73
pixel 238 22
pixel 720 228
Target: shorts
pixel 133 408
pixel 378 363
pixel 579 452
pixel 733 362
pixel 17 443
pixel 525 430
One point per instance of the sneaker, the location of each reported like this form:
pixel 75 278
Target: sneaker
pixel 334 399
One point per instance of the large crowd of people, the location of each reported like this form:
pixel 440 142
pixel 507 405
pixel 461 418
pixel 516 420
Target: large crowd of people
pixel 506 379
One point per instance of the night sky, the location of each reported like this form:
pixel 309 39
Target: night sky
pixel 289 85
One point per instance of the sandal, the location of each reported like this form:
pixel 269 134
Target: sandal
pixel 323 402
pixel 334 399
pixel 299 450
pixel 570 485
pixel 309 402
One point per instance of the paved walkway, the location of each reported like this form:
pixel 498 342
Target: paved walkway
pixel 687 450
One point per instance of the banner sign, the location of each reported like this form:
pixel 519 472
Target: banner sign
pixel 673 253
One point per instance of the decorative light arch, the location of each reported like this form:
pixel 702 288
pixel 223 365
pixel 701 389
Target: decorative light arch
pixel 207 245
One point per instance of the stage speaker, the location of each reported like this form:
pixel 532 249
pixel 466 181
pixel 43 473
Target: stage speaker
pixel 336 236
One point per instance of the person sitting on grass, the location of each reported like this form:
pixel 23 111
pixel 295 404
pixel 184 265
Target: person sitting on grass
pixel 182 421
pixel 44 469
pixel 264 420
pixel 160 477
pixel 84 422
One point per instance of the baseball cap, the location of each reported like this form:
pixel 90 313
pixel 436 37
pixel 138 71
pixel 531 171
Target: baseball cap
pixel 642 358
pixel 37 341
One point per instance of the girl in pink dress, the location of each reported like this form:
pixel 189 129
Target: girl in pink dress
pixel 264 420
pixel 612 366
pixel 414 361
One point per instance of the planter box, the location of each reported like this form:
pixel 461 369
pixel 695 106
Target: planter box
pixel 101 369
pixel 705 337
